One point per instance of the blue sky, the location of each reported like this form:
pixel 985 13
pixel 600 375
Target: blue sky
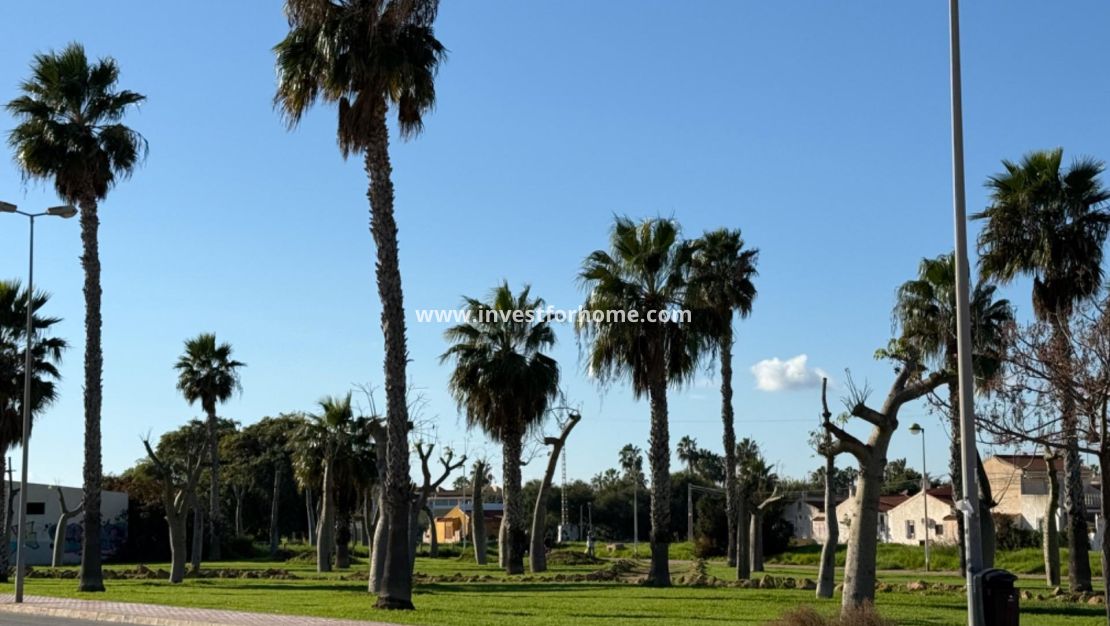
pixel 820 129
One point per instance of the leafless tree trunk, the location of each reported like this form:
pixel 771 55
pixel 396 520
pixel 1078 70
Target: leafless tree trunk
pixel 378 548
pixel 427 488
pixel 1050 532
pixel 537 554
pixel 433 544
pixel 60 530
pixel 826 576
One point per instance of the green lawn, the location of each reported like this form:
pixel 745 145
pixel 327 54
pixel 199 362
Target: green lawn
pixel 542 599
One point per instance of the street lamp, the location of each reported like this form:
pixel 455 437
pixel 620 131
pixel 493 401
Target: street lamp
pixel 65 212
pixel 918 430
pixel 969 505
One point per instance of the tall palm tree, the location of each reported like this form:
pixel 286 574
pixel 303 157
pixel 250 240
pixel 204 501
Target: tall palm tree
pixel 46 355
pixel 1050 223
pixel 206 373
pixel 687 450
pixel 925 309
pixel 70 132
pixel 643 272
pixel 366 55
pixel 504 381
pixel 721 286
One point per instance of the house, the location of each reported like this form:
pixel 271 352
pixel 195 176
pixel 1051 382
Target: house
pixel 908 524
pixel 454 525
pixel 43 512
pixel 1019 484
pixel 846 513
pixel 806 514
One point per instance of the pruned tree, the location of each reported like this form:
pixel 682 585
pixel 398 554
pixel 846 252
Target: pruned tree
pixel 910 383
pixel 179 479
pixel 449 464
pixel 60 530
pixel 826 575
pixel 537 554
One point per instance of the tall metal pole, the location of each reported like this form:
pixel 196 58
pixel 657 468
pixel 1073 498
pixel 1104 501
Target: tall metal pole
pixel 969 453
pixel 20 552
pixel 925 498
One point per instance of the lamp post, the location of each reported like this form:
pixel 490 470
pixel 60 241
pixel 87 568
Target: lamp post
pixel 65 212
pixel 969 505
pixel 918 430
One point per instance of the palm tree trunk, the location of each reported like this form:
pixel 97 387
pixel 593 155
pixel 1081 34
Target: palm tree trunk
pixel 659 454
pixel 275 533
pixel 743 556
pixel 756 537
pixel 396 592
pixel 310 513
pixel 955 459
pixel 729 443
pixel 92 575
pixel 826 576
pixel 325 539
pixel 214 483
pixel 514 505
pixel 503 537
pixel 198 536
pixel 987 533
pixel 343 538
pixel 1050 540
pixel 478 515
pixel 1079 565
pixel 5 503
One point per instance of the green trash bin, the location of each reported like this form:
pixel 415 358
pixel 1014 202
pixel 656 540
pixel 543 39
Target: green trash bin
pixel 1000 598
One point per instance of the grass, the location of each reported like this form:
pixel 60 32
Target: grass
pixel 542 600
pixel 891 556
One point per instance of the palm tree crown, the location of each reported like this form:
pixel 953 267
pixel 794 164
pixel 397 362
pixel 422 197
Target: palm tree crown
pixel 925 310
pixel 1049 223
pixel 69 125
pixel 206 371
pixel 502 379
pixel 721 273
pixel 363 55
pixel 46 355
pixel 644 270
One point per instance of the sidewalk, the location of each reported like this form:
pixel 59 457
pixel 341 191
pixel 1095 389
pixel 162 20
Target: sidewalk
pixel 157 615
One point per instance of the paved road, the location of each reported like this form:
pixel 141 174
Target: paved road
pixel 13 619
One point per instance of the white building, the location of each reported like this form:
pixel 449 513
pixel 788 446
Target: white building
pixel 43 512
pixel 806 513
pixel 908 522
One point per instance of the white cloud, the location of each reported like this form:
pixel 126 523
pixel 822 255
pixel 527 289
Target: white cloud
pixel 789 375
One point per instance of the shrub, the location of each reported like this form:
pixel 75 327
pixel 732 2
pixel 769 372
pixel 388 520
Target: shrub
pixel 865 615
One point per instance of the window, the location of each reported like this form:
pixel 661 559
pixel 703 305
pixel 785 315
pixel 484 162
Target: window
pixel 910 530
pixel 36 508
pixel 939 530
